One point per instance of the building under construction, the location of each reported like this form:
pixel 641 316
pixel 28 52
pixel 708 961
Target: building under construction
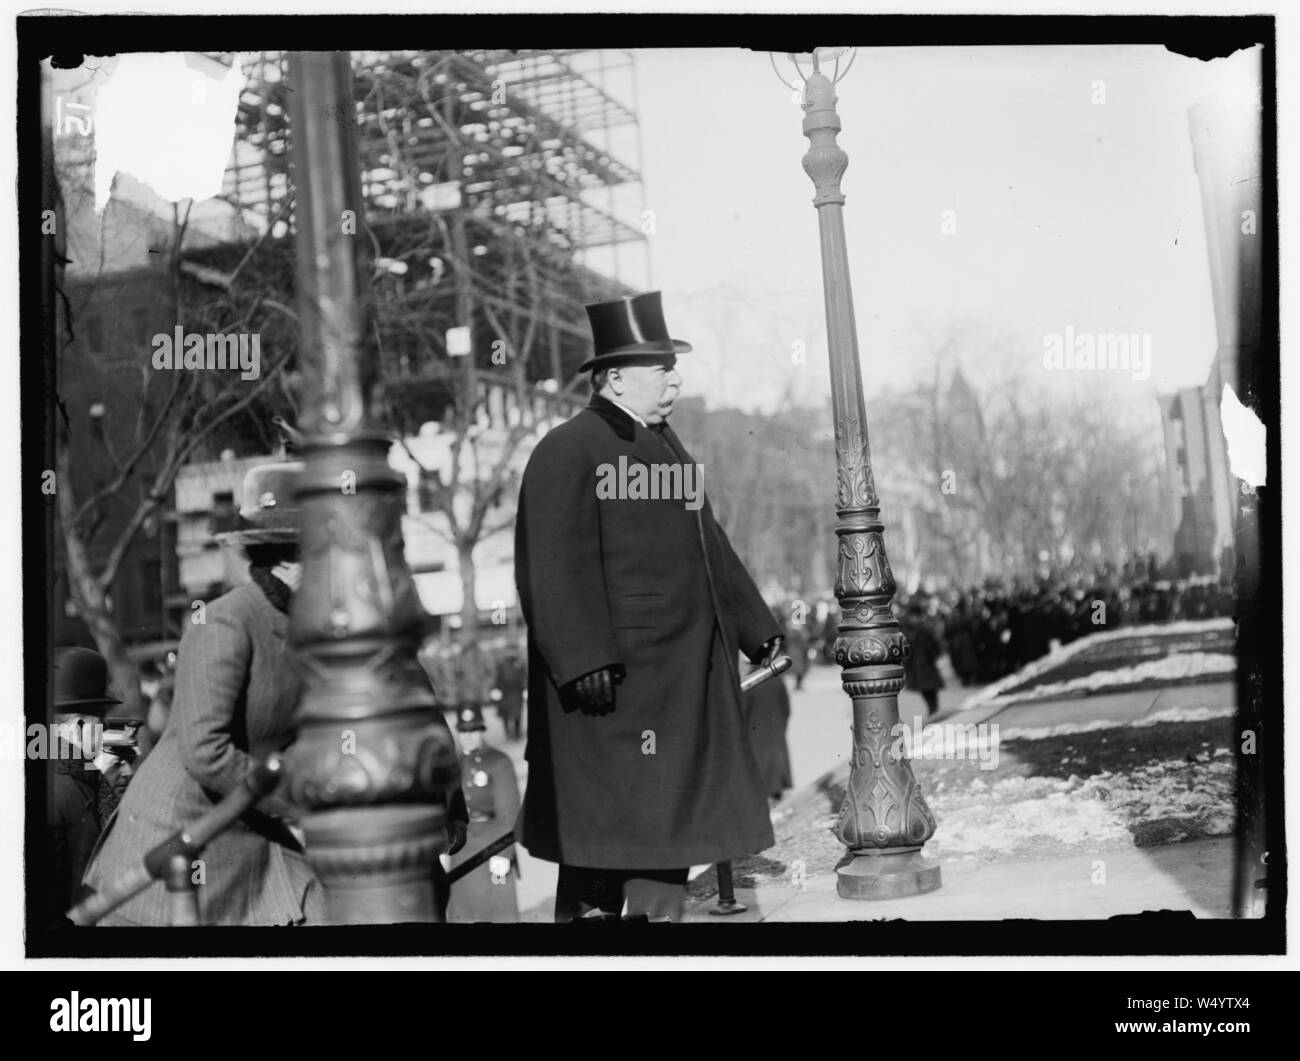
pixel 502 192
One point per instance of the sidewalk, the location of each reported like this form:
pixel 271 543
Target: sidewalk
pixel 1092 861
pixel 1195 876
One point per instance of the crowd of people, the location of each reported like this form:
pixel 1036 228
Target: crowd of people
pixel 992 630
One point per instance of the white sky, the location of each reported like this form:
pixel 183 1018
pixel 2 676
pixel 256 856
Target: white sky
pixel 1068 212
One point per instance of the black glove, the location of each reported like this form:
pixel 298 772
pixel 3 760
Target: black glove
pixel 594 692
pixel 770 650
pixel 457 833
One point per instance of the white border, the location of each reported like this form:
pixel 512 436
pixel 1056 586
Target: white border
pixel 11 907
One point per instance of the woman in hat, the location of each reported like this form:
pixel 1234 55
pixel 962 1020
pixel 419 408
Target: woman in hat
pixel 235 697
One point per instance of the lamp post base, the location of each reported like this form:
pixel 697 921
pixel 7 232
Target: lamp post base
pixel 376 862
pixel 895 875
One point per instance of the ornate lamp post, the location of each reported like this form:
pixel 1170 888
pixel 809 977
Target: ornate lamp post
pixel 884 820
pixel 374 756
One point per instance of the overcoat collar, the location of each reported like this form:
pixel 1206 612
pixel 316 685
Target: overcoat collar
pixel 647 443
pixel 624 426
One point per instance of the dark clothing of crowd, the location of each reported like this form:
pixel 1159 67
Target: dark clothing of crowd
pixel 992 632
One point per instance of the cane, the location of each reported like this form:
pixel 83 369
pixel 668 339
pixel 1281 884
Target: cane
pixel 171 859
pixel 768 670
pixel 479 857
pixel 727 904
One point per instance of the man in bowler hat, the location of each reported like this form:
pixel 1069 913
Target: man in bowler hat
pixel 81 773
pixel 640 764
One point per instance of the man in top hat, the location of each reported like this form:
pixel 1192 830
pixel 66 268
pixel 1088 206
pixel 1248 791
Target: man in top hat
pixel 82 771
pixel 486 893
pixel 639 760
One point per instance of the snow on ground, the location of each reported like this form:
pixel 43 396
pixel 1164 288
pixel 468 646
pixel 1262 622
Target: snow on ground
pixel 1020 815
pixel 1054 659
pixel 1064 729
pixel 1180 666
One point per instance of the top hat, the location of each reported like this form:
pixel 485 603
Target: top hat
pixel 630 329
pixel 469 719
pixel 268 513
pixel 80 682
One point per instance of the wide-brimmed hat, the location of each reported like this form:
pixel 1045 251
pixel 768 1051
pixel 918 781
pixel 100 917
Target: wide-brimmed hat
pixel 469 719
pixel 268 510
pixel 630 330
pixel 80 682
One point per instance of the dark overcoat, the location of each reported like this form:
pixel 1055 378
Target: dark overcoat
pixel 234 703
pixel 73 810
pixel 653 587
pixel 768 708
pixel 922 666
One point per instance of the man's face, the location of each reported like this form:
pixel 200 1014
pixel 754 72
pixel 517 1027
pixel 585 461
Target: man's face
pixel 648 390
pixel 83 730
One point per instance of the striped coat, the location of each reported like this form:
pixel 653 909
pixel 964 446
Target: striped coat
pixel 235 698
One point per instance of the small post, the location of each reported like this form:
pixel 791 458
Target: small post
pixel 182 892
pixel 726 904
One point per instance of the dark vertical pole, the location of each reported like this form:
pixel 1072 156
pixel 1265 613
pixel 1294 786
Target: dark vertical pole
pixel 38 657
pixel 726 903
pixel 1259 880
pixel 374 759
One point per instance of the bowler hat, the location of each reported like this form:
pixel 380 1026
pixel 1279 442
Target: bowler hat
pixel 630 329
pixel 80 681
pixel 268 513
pixel 469 719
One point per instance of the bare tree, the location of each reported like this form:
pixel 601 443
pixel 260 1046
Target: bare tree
pixel 176 414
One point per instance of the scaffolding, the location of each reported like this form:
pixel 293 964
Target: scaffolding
pixel 527 160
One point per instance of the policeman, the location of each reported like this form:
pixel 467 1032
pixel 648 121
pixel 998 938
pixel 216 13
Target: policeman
pixel 487 893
